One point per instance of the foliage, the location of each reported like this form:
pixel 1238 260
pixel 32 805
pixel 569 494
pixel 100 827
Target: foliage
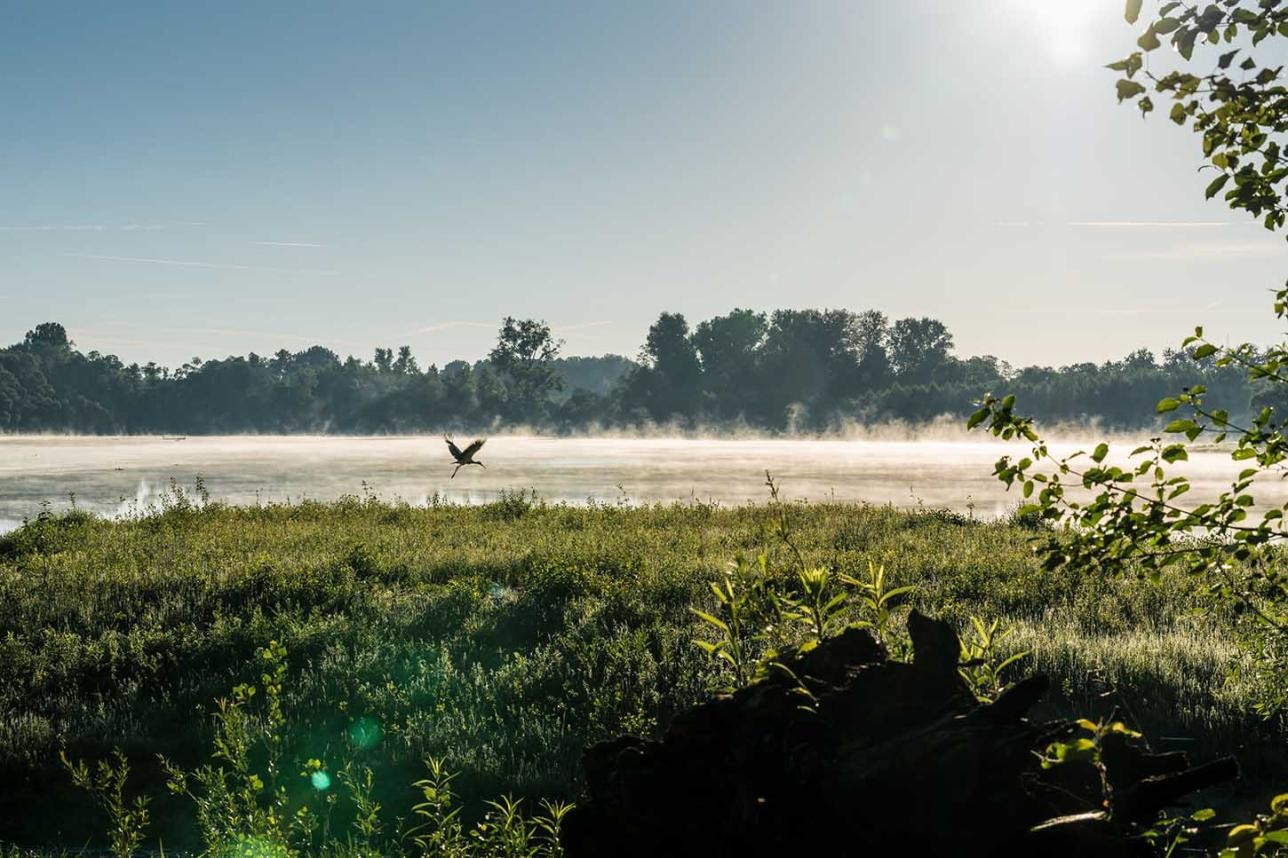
pixel 1116 517
pixel 1132 513
pixel 761 613
pixel 1267 834
pixel 792 370
pixel 668 382
pixel 45 383
pixel 1240 116
pixel 233 802
pixel 875 601
pixel 106 783
pixel 506 643
pixel 918 347
pixel 983 661
pixel 1087 744
pixel 509 643
pixel 242 813
pixel 524 355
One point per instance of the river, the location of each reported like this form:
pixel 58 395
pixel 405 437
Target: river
pixel 128 475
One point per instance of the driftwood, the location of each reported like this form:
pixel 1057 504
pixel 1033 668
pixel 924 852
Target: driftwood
pixel 895 759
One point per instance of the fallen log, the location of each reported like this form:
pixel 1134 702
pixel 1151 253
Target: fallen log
pixel 890 758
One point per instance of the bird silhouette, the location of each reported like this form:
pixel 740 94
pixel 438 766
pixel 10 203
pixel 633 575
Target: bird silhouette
pixel 466 456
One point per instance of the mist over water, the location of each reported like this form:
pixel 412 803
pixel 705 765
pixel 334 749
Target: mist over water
pixel 127 475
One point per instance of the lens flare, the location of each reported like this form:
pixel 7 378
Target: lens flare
pixel 321 781
pixel 365 733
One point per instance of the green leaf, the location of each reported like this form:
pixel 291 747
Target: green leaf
pixel 1128 89
pixel 1148 41
pixel 1166 405
pixel 1102 450
pixel 1132 12
pixel 1178 113
pixel 1215 186
pixel 897 591
pixel 1203 351
pixel 715 621
pixel 977 418
pixel 1010 661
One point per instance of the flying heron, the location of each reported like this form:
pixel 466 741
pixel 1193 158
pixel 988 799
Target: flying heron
pixel 466 456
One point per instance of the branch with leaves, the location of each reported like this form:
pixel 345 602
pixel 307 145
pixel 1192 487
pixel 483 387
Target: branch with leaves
pixel 1133 518
pixel 1240 111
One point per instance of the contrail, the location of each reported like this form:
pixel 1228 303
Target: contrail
pixel 183 263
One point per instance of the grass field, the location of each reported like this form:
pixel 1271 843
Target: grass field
pixel 503 638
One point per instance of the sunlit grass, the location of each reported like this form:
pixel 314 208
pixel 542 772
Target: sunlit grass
pixel 501 638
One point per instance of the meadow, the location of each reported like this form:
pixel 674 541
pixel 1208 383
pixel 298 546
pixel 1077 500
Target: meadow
pixel 501 639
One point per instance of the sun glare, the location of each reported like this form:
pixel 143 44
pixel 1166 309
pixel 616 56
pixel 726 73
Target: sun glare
pixel 1064 29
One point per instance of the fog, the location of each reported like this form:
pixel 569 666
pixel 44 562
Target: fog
pixel 127 475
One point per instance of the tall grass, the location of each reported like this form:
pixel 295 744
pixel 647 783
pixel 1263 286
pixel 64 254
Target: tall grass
pixel 501 639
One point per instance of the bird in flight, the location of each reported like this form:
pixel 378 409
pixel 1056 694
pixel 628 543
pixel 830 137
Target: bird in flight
pixel 466 456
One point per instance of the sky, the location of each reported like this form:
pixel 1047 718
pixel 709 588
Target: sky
pixel 181 179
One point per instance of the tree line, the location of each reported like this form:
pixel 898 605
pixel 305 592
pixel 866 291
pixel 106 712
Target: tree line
pixel 785 371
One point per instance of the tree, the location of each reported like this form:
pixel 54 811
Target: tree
pixel 801 368
pixel 10 399
pixel 1135 517
pixel 918 347
pixel 808 364
pixel 406 363
pixel 317 357
pixel 669 384
pixel 727 348
pixel 524 356
pixel 870 336
pixel 48 338
pixel 598 375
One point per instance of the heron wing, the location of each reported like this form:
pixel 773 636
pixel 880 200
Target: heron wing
pixel 475 447
pixel 453 449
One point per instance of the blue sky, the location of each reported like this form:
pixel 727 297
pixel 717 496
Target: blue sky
pixel 183 179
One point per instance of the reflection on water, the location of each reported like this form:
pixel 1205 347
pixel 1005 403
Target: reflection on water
pixel 112 476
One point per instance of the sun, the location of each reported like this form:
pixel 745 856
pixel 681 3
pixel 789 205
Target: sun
pixel 1065 29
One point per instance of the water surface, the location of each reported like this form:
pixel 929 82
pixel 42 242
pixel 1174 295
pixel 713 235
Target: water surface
pixel 123 475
